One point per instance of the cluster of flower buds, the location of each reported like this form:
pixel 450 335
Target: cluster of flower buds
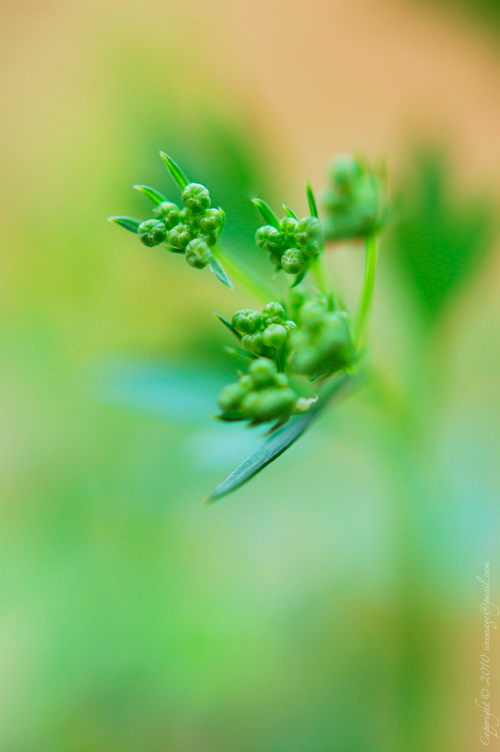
pixel 264 334
pixel 261 396
pixel 323 344
pixel 292 244
pixel 354 200
pixel 192 229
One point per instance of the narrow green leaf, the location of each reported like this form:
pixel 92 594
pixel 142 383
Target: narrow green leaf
pixel 313 208
pixel 129 223
pixel 289 211
pixel 266 212
pixel 283 438
pixel 219 271
pixel 155 196
pixel 298 279
pixel 227 323
pixel 175 171
pixel 238 351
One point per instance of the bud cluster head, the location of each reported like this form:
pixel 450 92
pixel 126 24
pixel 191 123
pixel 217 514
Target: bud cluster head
pixel 264 334
pixel 192 229
pixel 261 396
pixel 292 244
pixel 354 200
pixel 323 344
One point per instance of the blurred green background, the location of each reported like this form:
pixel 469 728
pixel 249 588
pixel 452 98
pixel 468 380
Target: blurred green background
pixel 331 604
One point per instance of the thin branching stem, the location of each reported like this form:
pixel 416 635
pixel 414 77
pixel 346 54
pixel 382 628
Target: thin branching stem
pixel 244 275
pixel 367 291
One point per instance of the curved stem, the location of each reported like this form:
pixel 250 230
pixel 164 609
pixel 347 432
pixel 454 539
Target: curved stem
pixel 323 281
pixel 245 275
pixel 367 292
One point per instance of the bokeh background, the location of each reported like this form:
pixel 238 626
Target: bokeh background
pixel 331 604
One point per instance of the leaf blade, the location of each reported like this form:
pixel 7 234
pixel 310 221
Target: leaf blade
pixel 281 440
pixel 155 196
pixel 129 223
pixel 266 212
pixel 216 268
pixel 311 200
pixel 175 171
pixel 227 324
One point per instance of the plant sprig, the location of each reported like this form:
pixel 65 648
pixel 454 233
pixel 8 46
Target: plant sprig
pixel 296 339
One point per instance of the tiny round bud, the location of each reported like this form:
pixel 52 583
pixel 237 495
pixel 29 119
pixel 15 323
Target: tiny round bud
pixel 196 198
pixel 152 232
pixel 262 236
pixel 179 236
pixel 270 404
pixel 246 382
pixel 210 239
pixel 308 232
pixel 273 313
pixel 253 343
pixel 281 381
pixel 247 321
pixel 344 170
pixel 276 241
pixel 231 397
pixel 293 261
pixel 274 335
pixel 211 221
pixel 198 254
pixel 312 316
pixel 168 213
pixel 262 372
pixel 311 250
pixel 288 226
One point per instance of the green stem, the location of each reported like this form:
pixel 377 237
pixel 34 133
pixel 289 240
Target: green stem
pixel 367 292
pixel 245 275
pixel 323 281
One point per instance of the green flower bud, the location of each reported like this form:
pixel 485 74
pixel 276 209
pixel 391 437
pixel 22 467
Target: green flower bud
pixel 196 198
pixel 210 239
pixel 231 396
pixel 269 404
pixel 290 325
pixel 246 382
pixel 211 221
pixel 152 232
pixel 198 254
pixel 262 372
pixel 345 170
pixel 293 261
pixel 179 236
pixel 281 381
pixel 312 316
pixel 167 212
pixel 247 321
pixel 311 250
pixel 262 236
pixel 276 242
pixel 253 343
pixel 308 232
pixel 288 226
pixel 273 313
pixel 275 335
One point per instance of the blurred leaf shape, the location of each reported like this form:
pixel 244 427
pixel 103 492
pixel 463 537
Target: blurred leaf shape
pixel 181 392
pixel 439 238
pixel 282 439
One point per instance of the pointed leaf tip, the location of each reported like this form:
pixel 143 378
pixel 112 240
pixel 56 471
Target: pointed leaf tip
pixel 311 200
pixel 266 212
pixel 175 171
pixel 155 196
pixel 129 223
pixel 219 271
